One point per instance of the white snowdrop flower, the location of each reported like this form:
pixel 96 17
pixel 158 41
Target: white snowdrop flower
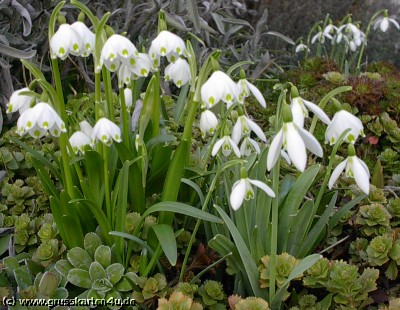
pixel 246 88
pixel 244 126
pixel 350 30
pixel 320 36
pixel 166 43
pixel 128 98
pixel 40 119
pixel 142 66
pixel 219 86
pixel 19 102
pixel 208 123
pixel 243 190
pixel 384 22
pixel 354 168
pixel 248 145
pixel 330 29
pixel 299 107
pixel 66 41
pixel 227 145
pixel 105 131
pixel 295 140
pixel 178 71
pixel 301 48
pixel 87 36
pixel 341 121
pixel 117 50
pixel 79 140
pixel 86 128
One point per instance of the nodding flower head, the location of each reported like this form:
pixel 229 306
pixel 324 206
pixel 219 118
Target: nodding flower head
pixel 105 131
pixel 65 41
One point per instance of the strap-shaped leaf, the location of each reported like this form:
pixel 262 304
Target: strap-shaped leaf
pixel 166 237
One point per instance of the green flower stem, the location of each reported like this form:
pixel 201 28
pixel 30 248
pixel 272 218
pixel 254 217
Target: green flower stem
pixel 275 201
pixel 97 95
pixel 274 228
pixel 63 140
pixel 203 208
pixel 309 37
pixel 57 80
pixel 365 38
pixel 109 93
pixel 109 212
pixel 328 172
pixel 125 118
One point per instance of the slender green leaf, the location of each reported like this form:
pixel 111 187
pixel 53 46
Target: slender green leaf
pixel 182 208
pixel 120 209
pixel 248 262
pixel 55 207
pixel 316 230
pixel 166 237
pixel 281 36
pixel 218 22
pixel 238 65
pixel 292 204
pixel 158 140
pixel 179 106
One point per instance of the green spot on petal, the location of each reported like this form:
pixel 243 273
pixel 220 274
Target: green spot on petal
pixel 104 138
pixel 29 124
pixel 75 149
pixel 173 58
pixel 228 97
pixel 163 51
pixel 61 51
pixel 125 52
pixel 178 50
pixel 56 132
pixel 88 46
pixel 45 125
pixel 211 100
pixel 132 61
pixel 112 67
pixel 143 72
pixel 75 47
pixel 36 133
pixel 111 56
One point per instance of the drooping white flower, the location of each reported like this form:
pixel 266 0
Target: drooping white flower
pixel 244 126
pixel 19 102
pixel 166 44
pixel 227 145
pixel 86 128
pixel 299 107
pixel 87 36
pixel 341 121
pixel 243 190
pixel 219 87
pixel 354 168
pixel 40 119
pixel 383 23
pixel 320 36
pixel 246 88
pixel 349 30
pixel 79 140
pixel 208 123
pixel 330 29
pixel 105 131
pixel 128 98
pixel 117 49
pixel 248 145
pixel 178 71
pixel 301 47
pixel 294 140
pixel 66 41
pixel 141 68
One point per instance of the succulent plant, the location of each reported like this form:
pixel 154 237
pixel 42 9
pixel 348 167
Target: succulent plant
pixel 18 196
pixel 30 281
pixel 358 249
pixel 284 266
pixel 308 302
pixel 317 275
pixel 394 209
pixel 212 293
pixel 93 271
pixel 350 288
pixel 374 219
pixel 178 301
pixel 187 288
pixel 254 303
pixel 150 288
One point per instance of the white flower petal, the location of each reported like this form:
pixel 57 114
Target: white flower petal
pixel 295 147
pixel 217 146
pixel 360 175
pixel 263 186
pixel 274 150
pixel 336 173
pixel 237 194
pixel 311 143
pixel 256 92
pixel 317 111
pixel 256 129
